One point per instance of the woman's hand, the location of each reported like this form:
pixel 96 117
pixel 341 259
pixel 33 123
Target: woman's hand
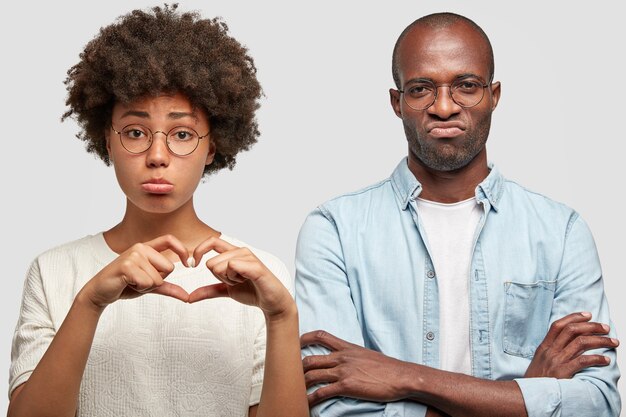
pixel 138 270
pixel 243 277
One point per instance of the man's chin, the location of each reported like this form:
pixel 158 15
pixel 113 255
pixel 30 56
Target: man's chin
pixel 445 164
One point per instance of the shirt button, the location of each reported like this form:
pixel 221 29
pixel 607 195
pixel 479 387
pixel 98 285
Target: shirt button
pixel 430 274
pixel 430 336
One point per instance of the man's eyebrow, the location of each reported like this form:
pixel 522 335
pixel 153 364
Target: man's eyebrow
pixel 467 75
pixel 456 78
pixel 419 80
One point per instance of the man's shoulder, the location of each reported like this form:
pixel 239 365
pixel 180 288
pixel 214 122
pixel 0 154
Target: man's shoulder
pixel 361 198
pixel 523 202
pixel 516 192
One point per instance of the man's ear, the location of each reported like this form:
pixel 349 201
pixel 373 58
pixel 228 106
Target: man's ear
pixel 394 98
pixel 495 94
pixel 211 155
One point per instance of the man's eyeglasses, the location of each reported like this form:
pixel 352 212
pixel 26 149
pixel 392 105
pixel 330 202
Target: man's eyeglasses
pixel 180 140
pixel 466 92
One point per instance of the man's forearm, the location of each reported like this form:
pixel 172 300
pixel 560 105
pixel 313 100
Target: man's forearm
pixel 353 371
pixel 463 395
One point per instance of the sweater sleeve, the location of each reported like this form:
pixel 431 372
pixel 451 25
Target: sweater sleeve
pixel 34 331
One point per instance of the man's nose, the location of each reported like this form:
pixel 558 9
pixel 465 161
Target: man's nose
pixel 444 106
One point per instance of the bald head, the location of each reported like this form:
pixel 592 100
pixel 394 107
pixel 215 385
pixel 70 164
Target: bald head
pixel 440 21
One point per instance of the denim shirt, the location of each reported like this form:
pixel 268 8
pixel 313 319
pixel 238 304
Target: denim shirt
pixel 364 273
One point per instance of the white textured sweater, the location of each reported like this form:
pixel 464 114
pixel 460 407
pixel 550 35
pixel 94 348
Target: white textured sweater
pixel 153 355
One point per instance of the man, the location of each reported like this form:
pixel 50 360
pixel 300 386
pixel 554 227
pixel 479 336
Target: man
pixel 446 289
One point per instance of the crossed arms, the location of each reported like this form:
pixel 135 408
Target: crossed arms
pixel 353 371
pixel 364 382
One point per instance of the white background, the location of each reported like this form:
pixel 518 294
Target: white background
pixel 327 127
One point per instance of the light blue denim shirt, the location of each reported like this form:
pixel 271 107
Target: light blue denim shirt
pixel 364 273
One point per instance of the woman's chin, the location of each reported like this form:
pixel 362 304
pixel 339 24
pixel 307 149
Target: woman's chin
pixel 157 204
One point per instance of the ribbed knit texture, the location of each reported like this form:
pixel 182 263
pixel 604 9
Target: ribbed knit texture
pixel 153 355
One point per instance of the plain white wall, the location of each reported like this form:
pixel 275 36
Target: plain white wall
pixel 327 127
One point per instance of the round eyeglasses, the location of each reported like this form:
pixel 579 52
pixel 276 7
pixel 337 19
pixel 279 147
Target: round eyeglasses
pixel 466 92
pixel 180 140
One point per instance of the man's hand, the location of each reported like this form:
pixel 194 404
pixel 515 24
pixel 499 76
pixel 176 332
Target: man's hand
pixel 560 355
pixel 351 371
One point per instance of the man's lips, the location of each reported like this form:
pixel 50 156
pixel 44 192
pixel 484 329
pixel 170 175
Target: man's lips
pixel 445 129
pixel 157 186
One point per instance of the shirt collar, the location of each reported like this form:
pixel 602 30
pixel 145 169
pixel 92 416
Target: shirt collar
pixel 407 188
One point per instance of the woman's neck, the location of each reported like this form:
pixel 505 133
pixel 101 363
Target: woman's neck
pixel 140 226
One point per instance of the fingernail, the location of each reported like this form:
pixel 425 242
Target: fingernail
pixel 615 342
pixel 585 314
pixel 605 327
pixel 607 360
pixel 191 262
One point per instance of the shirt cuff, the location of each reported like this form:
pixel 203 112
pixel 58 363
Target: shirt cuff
pixel 405 409
pixel 542 396
pixel 351 407
pixel 255 394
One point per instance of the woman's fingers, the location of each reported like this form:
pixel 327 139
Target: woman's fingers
pixel 172 290
pixel 172 243
pixel 134 276
pixel 212 243
pixel 209 291
pixel 139 269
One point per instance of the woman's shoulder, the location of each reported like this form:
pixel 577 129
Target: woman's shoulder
pixel 59 272
pixel 89 248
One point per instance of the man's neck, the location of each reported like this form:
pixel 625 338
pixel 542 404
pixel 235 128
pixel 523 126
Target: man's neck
pixel 450 186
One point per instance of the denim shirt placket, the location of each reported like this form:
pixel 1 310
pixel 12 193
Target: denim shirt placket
pixel 480 335
pixel 430 321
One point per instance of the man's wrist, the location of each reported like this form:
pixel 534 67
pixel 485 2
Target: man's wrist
pixel 411 381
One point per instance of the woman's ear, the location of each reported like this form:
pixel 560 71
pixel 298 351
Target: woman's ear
pixel 107 138
pixel 211 155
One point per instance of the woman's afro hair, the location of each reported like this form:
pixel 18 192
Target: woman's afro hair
pixel 147 53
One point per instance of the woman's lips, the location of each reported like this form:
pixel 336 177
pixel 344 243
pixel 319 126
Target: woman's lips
pixel 157 187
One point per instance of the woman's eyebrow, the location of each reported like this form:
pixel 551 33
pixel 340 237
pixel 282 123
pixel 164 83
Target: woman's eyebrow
pixel 181 114
pixel 136 113
pixel 173 115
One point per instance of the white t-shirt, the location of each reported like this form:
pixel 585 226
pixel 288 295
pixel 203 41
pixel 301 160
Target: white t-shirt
pixel 153 355
pixel 450 230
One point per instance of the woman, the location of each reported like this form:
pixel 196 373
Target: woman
pixel 125 322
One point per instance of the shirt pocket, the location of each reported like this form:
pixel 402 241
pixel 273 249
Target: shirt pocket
pixel 527 312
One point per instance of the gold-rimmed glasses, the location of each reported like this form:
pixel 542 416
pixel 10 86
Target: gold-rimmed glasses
pixel 180 140
pixel 466 92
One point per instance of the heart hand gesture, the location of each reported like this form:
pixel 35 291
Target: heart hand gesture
pixel 138 270
pixel 244 278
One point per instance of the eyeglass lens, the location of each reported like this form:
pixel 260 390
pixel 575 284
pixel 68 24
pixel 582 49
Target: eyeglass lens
pixel 466 93
pixel 180 140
